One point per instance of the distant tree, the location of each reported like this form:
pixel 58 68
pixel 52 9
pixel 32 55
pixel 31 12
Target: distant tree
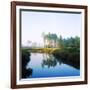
pixel 28 43
pixel 69 42
pixel 77 42
pixel 43 35
pixel 34 44
pixel 51 37
pixel 72 42
pixel 61 42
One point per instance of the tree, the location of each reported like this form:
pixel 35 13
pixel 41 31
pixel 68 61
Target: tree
pixel 61 43
pixel 77 42
pixel 73 42
pixel 43 35
pixel 51 37
pixel 69 42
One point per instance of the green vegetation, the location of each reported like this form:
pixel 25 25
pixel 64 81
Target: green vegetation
pixel 69 42
pixel 70 47
pixel 70 51
pixel 66 49
pixel 49 38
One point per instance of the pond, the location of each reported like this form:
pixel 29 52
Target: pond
pixel 41 65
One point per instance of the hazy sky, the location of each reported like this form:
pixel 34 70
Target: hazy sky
pixel 35 23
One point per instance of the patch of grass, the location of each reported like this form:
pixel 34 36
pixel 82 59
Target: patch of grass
pixel 42 50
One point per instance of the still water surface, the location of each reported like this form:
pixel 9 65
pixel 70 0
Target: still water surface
pixel 45 65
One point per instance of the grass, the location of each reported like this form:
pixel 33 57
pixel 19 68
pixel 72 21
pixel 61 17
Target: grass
pixel 42 50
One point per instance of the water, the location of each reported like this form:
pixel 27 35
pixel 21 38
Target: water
pixel 46 65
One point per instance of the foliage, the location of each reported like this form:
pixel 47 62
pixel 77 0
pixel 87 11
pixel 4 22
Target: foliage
pixel 49 37
pixel 62 42
pixel 68 50
pixel 69 42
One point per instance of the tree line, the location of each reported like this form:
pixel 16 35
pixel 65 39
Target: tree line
pixel 62 42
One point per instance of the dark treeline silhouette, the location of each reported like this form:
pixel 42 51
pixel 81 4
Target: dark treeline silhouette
pixel 25 59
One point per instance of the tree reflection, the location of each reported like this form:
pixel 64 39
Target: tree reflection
pixel 25 59
pixel 52 61
pixel 49 60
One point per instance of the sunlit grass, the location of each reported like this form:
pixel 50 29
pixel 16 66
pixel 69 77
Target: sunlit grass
pixel 42 50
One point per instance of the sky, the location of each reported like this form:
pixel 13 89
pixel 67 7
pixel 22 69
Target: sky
pixel 35 23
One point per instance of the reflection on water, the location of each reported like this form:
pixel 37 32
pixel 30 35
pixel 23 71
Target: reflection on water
pixel 50 61
pixel 26 72
pixel 39 65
